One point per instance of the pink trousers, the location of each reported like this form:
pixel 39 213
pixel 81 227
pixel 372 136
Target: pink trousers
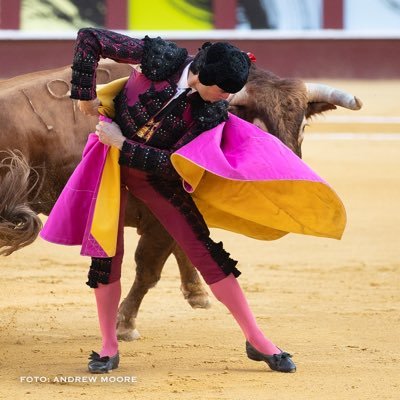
pixel 177 212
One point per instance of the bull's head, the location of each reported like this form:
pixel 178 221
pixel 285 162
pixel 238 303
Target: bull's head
pixel 282 107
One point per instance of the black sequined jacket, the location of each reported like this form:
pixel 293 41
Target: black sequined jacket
pixel 144 95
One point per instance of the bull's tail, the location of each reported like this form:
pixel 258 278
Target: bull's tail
pixel 19 224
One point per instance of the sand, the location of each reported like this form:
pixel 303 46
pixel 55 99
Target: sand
pixel 333 304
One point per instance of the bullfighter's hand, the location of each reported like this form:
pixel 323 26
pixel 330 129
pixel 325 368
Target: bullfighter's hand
pixel 89 107
pixel 110 134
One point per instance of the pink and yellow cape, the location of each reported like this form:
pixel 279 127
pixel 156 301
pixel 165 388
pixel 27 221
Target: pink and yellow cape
pixel 241 178
pixel 245 180
pixel 87 210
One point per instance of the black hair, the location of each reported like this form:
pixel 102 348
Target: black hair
pixel 221 64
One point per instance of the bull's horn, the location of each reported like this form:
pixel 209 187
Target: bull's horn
pixel 324 93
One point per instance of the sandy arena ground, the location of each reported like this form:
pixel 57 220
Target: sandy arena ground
pixel 333 304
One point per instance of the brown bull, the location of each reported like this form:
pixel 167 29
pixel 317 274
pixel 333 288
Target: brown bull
pixel 43 128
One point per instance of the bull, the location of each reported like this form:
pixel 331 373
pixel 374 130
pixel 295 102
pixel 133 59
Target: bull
pixel 41 142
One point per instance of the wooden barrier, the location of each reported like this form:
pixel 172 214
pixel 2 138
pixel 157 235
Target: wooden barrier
pixel 322 54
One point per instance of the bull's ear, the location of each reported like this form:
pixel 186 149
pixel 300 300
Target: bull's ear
pixel 318 108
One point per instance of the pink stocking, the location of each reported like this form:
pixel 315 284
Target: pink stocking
pixel 107 299
pixel 229 292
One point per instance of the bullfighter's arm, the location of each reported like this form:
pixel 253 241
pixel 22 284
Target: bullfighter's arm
pixel 148 159
pixel 136 155
pixel 157 161
pixel 91 44
pixel 158 58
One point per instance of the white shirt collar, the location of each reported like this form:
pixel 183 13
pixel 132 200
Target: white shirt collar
pixel 183 80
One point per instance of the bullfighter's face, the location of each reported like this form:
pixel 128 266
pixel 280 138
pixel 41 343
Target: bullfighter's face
pixel 211 93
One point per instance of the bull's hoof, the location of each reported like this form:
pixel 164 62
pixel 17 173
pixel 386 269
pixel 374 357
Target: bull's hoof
pixel 126 329
pixel 199 300
pixel 127 334
pixel 196 295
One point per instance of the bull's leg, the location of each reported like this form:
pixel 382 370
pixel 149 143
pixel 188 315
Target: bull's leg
pixel 191 285
pixel 154 247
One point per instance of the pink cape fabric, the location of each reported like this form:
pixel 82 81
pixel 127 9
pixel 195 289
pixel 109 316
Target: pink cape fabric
pixel 240 151
pixel 70 220
pixel 247 181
